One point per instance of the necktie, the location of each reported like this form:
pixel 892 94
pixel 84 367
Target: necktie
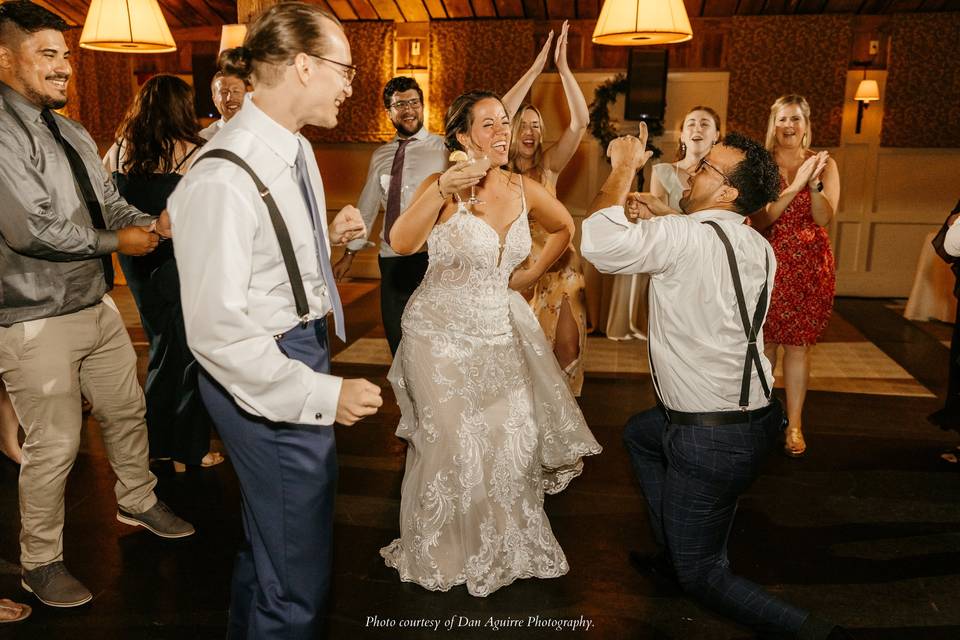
pixel 82 180
pixel 396 186
pixel 320 243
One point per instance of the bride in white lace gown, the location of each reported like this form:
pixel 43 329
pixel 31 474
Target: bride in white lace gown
pixel 489 420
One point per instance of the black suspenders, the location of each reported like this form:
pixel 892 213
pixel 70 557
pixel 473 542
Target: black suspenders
pixel 279 227
pixel 750 329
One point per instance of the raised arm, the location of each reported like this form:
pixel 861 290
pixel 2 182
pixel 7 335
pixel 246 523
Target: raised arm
pixel 513 98
pixel 627 154
pixel 557 156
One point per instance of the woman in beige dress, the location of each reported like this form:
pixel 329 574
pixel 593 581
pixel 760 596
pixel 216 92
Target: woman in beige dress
pixel 557 298
pixel 489 421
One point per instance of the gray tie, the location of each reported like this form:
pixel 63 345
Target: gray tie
pixel 320 243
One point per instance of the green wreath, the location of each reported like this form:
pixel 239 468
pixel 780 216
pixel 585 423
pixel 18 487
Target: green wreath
pixel 600 127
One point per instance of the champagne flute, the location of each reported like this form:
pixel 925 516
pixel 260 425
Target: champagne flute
pixel 474 200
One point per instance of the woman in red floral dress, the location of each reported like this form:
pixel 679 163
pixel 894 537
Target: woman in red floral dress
pixel 795 225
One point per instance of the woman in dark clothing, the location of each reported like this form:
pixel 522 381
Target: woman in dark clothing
pixel 156 143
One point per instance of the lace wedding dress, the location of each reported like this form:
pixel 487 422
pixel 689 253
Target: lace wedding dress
pixel 489 420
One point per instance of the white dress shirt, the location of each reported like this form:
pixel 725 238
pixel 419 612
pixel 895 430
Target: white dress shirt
pixel 697 341
pixel 424 155
pixel 212 129
pixel 234 287
pixel 951 242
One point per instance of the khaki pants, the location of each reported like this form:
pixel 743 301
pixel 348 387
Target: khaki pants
pixel 46 364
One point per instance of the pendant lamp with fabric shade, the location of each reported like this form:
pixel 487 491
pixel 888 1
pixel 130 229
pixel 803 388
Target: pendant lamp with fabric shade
pixel 232 35
pixel 634 23
pixel 129 26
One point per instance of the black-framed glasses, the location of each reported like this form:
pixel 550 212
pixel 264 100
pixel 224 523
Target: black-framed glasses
pixel 703 163
pixel 349 70
pixel 412 103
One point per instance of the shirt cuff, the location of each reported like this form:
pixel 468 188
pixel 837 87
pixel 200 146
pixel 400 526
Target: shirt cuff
pixel 107 242
pixel 320 407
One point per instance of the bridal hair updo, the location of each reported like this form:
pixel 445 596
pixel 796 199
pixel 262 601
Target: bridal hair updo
pixel 460 116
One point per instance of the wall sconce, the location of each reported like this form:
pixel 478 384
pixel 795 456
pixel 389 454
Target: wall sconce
pixel 410 54
pixel 867 91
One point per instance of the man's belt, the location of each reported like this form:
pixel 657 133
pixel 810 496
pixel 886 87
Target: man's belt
pixel 717 418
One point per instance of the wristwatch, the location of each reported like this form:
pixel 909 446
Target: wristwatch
pixel 349 252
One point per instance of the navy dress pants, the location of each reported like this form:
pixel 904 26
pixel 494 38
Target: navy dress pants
pixel 692 476
pixel 288 477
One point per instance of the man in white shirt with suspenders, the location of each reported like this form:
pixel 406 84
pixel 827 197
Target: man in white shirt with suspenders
pixel 702 446
pixel 252 246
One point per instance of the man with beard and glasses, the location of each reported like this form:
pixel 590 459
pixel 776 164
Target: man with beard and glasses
pixel 60 334
pixel 703 444
pixel 229 87
pixel 396 170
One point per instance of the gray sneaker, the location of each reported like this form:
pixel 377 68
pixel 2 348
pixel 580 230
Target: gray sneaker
pixel 54 586
pixel 160 520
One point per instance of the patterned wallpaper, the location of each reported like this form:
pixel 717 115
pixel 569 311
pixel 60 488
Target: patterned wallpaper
pixel 101 87
pixel 923 81
pixel 469 55
pixel 362 117
pixel 773 55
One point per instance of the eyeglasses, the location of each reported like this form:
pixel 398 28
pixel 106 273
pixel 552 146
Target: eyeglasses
pixel 401 105
pixel 703 163
pixel 349 70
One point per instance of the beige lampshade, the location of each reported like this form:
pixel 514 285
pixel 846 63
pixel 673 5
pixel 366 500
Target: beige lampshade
pixel 868 91
pixel 130 26
pixel 641 22
pixel 232 35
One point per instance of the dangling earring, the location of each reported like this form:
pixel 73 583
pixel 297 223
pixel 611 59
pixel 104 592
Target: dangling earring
pixel 683 149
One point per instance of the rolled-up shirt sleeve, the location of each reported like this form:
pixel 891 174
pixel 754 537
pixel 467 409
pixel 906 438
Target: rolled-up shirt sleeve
pixel 615 245
pixel 951 242
pixel 215 225
pixel 117 212
pixel 30 223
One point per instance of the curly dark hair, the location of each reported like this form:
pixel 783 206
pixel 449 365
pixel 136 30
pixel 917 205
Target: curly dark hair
pixel 756 177
pixel 460 116
pixel 398 84
pixel 27 17
pixel 161 115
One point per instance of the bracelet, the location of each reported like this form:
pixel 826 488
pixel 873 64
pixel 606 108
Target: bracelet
pixel 439 190
pixel 349 252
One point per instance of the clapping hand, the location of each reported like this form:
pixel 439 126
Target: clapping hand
pixel 809 172
pixel 560 53
pixel 347 226
pixel 541 60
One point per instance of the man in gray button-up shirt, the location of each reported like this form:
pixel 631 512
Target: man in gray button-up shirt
pixel 60 333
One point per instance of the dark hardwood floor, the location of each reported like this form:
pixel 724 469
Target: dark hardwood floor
pixel 865 529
